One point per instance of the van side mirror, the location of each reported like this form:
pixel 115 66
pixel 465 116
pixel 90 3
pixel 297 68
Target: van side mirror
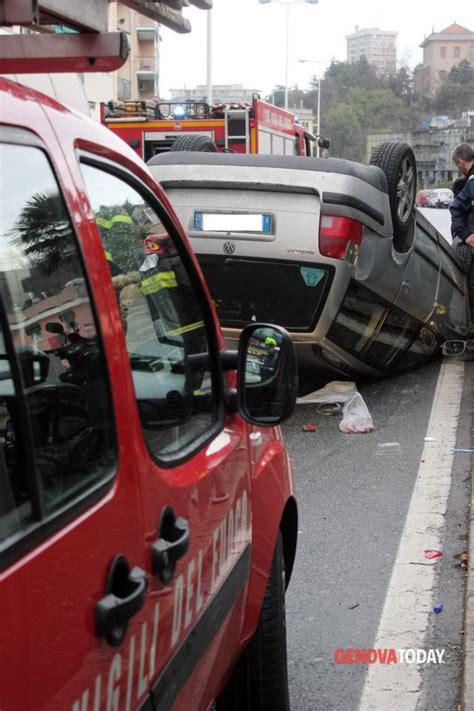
pixel 34 366
pixel 267 375
pixel 55 327
pixel 453 348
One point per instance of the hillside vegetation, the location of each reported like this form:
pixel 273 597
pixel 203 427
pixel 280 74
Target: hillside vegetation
pixel 356 101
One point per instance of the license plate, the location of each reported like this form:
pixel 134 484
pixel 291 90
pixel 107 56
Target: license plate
pixel 233 222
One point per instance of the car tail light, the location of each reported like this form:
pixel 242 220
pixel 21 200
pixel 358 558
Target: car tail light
pixel 336 234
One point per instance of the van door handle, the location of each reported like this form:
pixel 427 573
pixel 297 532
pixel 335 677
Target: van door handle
pixel 172 545
pixel 125 597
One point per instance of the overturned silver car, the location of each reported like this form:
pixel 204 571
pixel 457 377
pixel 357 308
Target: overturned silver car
pixel 333 250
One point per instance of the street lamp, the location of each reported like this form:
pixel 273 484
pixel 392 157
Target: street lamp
pixel 318 119
pixel 209 58
pixel 288 3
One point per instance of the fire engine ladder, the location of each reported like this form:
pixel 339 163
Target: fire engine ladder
pixel 237 127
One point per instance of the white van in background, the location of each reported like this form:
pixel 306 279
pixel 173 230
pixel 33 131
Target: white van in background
pixel 441 198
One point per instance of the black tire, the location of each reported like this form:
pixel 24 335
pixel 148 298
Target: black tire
pixel 259 681
pixel 202 144
pixel 397 161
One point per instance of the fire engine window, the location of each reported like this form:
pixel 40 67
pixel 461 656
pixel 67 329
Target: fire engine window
pixel 162 318
pixel 55 418
pixel 236 128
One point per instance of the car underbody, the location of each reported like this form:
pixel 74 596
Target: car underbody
pixel 384 304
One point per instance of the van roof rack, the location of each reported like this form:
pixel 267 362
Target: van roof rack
pixel 84 43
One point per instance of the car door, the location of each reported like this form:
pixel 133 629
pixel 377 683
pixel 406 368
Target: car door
pixel 451 316
pixel 194 458
pixel 72 583
pixel 419 288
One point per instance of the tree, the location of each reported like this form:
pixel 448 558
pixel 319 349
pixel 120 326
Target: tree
pixel 295 96
pixel 345 75
pixel 345 131
pixel 356 101
pixel 454 98
pixel 43 229
pixel 462 73
pixel 401 84
pixel 44 233
pixel 378 110
pixel 422 91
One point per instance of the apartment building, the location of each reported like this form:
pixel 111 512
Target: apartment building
pixel 443 50
pixel 139 77
pixel 379 47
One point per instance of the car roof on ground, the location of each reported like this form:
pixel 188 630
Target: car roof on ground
pixel 368 173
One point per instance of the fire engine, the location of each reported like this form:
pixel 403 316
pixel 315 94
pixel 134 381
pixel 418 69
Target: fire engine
pixel 151 127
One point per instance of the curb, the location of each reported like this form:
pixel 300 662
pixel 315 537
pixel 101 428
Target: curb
pixel 468 666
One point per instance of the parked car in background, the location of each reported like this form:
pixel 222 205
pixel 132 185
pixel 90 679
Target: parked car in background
pixel 332 249
pixel 440 198
pixel 422 198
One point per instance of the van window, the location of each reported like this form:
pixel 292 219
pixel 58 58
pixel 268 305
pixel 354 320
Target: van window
pixel 57 437
pixel 163 320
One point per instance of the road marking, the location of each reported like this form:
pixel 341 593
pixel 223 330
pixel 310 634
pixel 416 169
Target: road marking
pixel 409 600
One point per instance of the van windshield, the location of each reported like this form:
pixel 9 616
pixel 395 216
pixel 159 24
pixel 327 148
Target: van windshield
pixel 288 293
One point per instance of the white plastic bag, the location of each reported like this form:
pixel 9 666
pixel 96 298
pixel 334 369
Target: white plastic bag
pixel 356 418
pixel 335 391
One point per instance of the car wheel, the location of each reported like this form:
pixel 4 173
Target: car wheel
pixel 202 144
pixel 397 161
pixel 259 681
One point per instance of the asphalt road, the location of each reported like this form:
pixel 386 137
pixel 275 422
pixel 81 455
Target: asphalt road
pixel 353 504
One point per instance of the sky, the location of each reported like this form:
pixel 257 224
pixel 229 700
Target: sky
pixel 248 39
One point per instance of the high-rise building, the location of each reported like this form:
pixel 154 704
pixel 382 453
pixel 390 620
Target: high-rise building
pixel 379 47
pixel 443 50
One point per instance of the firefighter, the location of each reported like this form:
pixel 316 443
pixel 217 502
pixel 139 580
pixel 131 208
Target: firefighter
pixel 271 359
pixel 462 213
pixel 171 299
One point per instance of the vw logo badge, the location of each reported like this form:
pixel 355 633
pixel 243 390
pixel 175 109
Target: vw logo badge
pixel 229 247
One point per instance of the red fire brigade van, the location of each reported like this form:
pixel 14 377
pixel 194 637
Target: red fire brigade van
pixel 147 516
pixel 156 127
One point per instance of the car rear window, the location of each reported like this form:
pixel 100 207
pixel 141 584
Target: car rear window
pixel 291 294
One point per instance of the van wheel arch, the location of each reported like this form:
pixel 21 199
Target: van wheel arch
pixel 259 680
pixel 289 532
